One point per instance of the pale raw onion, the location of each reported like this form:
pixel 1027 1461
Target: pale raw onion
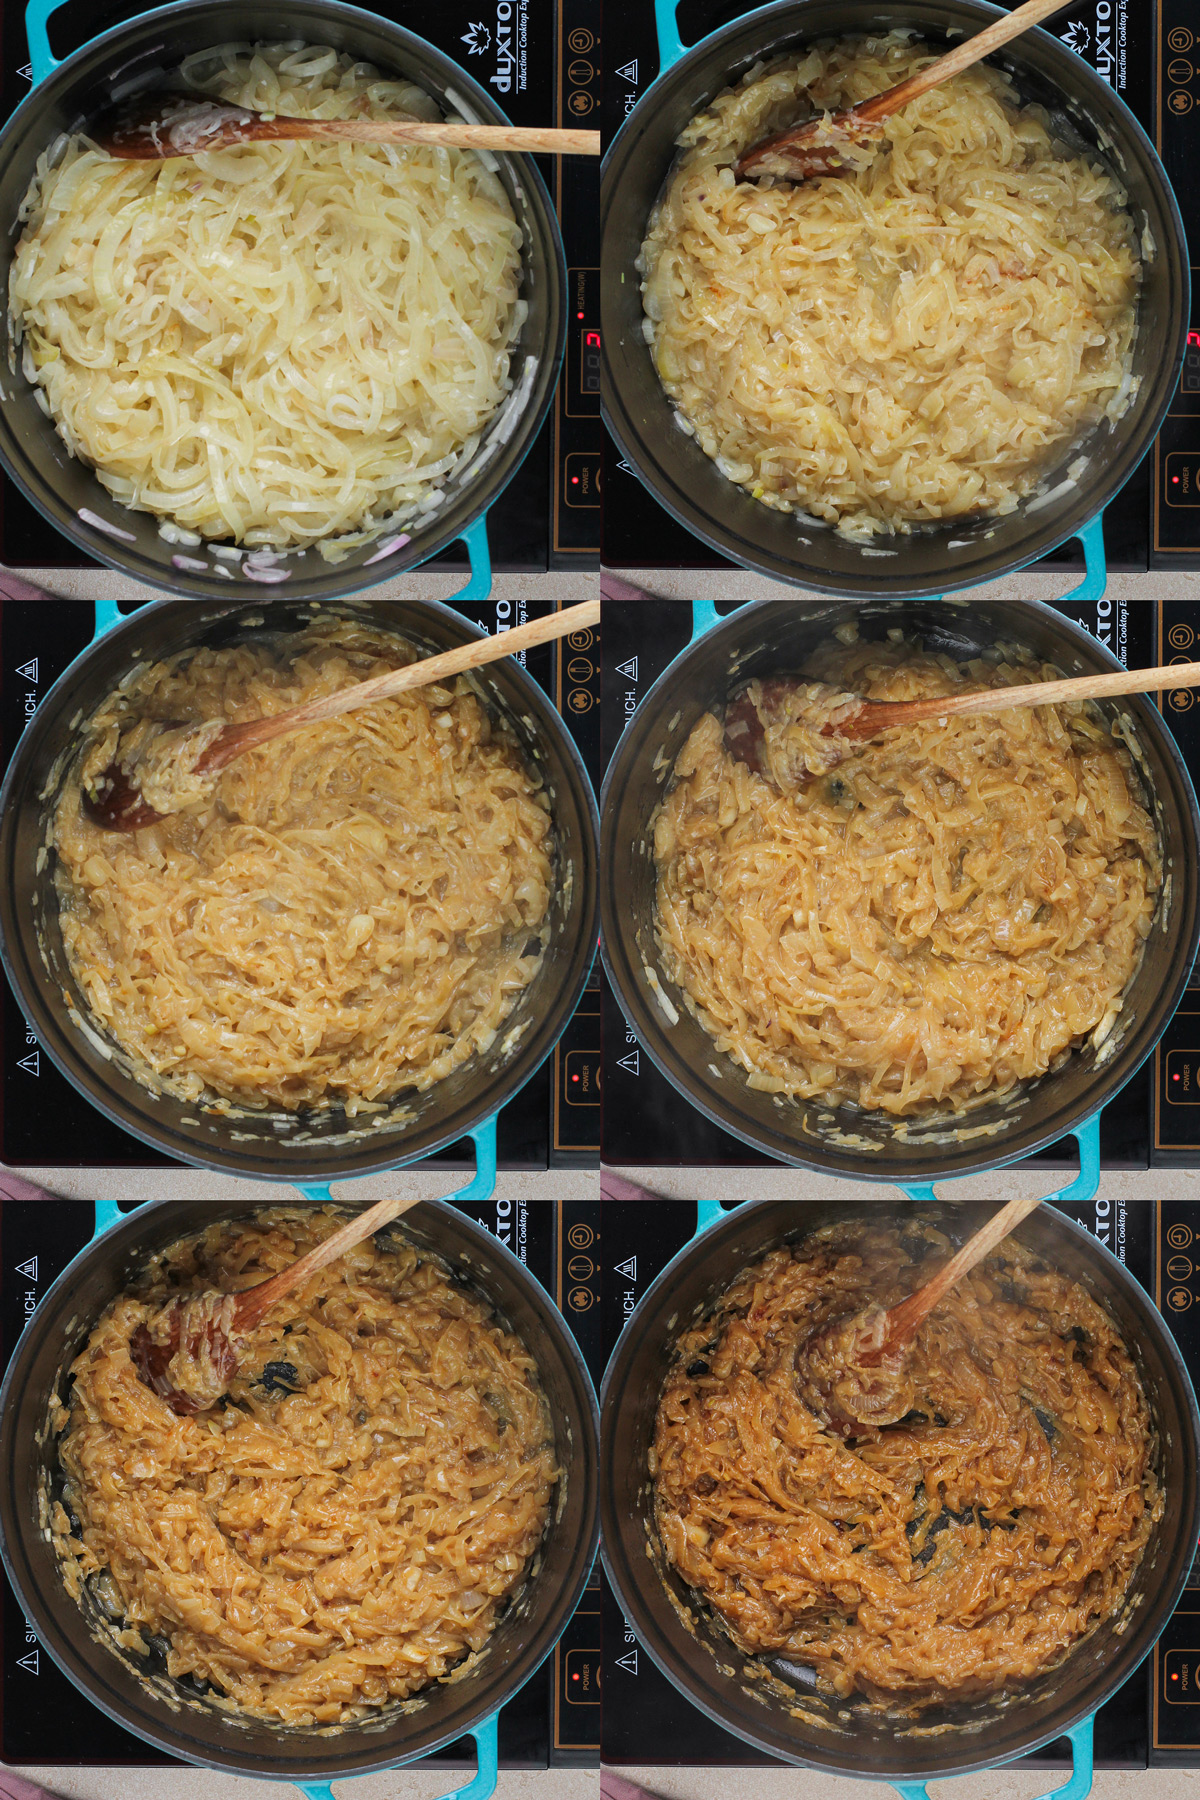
pixel 283 343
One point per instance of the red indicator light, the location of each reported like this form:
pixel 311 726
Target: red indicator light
pixel 574 481
pixel 579 315
pixel 1174 481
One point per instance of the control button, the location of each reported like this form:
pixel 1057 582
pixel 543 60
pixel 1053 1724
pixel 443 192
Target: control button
pixel 1180 699
pixel 581 103
pixel 580 41
pixel 580 72
pixel 580 1267
pixel 580 669
pixel 1179 1677
pixel 581 1299
pixel 582 1067
pixel 580 640
pixel 1182 473
pixel 1181 637
pixel 1178 1236
pixel 1183 1089
pixel 580 701
pixel 582 1670
pixel 1179 1299
pixel 582 485
pixel 1180 71
pixel 1179 38
pixel 1179 1267
pixel 1179 101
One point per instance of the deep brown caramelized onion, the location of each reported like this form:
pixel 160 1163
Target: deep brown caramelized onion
pixel 941 917
pixel 350 1525
pixel 956 1553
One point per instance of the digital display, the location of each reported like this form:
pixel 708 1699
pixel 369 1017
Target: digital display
pixel 589 361
pixel 1193 340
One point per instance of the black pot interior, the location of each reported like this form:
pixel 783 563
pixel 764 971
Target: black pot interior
pixel 144 52
pixel 171 1714
pixel 774 637
pixel 934 560
pixel 787 1717
pixel 280 1146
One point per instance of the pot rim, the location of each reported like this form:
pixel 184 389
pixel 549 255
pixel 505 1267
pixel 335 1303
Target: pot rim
pixel 878 1172
pixel 1078 512
pixel 428 542
pixel 320 1164
pixel 568 1598
pixel 653 1300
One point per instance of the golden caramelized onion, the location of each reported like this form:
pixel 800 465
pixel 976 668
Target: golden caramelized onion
pixel 959 1552
pixel 941 917
pixel 349 1526
pixel 348 912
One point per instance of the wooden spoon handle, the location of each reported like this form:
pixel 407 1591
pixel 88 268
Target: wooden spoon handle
pixel 961 57
pixel 1034 693
pixel 256 1302
pixel 551 140
pixel 236 738
pixel 903 1320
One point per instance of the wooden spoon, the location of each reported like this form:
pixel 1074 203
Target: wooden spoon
pixel 216 1332
pixel 826 145
pixel 859 723
pixel 852 1372
pixel 159 126
pixel 115 800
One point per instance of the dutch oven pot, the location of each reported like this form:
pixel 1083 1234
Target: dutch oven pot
pixel 933 560
pixel 171 1715
pixel 705 1667
pixel 772 637
pixel 145 53
pixel 276 1145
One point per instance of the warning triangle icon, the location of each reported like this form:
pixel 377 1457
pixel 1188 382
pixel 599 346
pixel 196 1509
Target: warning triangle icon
pixel 628 1662
pixel 629 72
pixel 30 1063
pixel 628 1268
pixel 628 669
pixel 29 670
pixel 629 1063
pixel 28 1269
pixel 29 1663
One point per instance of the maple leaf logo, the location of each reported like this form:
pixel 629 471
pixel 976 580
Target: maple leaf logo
pixel 1075 37
pixel 477 39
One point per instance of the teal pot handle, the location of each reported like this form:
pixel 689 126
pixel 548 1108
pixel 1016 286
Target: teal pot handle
pixel 481 1186
pixel 41 61
pixel 479 554
pixel 670 44
pixel 108 613
pixel 1094 582
pixel 481 1786
pixel 1084 1186
pixel 475 538
pixel 1077 1788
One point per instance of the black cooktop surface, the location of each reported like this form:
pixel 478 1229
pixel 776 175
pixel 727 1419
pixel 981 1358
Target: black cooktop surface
pixel 1151 56
pixel 541 63
pixel 552 1722
pixel 44 1123
pixel 1155 1716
